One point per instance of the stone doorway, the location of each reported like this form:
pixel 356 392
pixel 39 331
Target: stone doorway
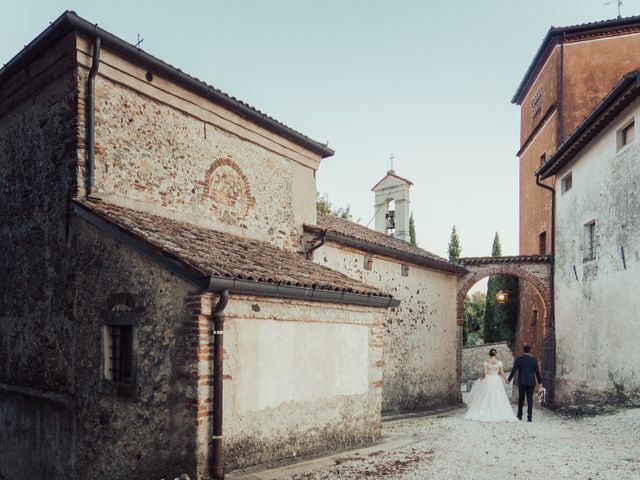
pixel 534 269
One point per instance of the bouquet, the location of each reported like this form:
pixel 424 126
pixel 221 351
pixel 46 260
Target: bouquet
pixel 542 394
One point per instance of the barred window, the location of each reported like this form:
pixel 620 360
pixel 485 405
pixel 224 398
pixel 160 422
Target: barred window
pixel 590 241
pixel 118 353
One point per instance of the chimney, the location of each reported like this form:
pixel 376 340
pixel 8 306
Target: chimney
pixel 392 206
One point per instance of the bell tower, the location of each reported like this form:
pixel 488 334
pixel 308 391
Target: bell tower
pixel 392 206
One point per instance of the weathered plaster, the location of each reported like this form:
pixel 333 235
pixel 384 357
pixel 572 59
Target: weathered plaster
pixel 597 313
pixel 420 335
pixel 302 378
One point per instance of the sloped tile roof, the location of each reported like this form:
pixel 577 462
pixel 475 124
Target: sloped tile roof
pixel 224 255
pixel 392 173
pixel 377 242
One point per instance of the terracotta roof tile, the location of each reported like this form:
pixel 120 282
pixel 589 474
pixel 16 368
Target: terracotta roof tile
pixel 373 239
pixel 225 255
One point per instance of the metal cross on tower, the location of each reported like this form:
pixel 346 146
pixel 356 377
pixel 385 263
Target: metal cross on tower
pixel 391 158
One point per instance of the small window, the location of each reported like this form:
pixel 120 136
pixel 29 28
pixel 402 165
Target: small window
pixel 118 353
pixel 566 183
pixel 405 270
pixel 534 317
pixel 542 243
pixel 543 158
pixel 589 241
pixel 368 262
pixel 626 134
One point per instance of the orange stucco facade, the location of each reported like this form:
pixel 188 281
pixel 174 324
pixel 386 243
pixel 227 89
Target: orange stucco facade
pixel 578 67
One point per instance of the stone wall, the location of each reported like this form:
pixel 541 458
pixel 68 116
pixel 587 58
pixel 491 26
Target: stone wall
pixel 473 358
pixel 598 360
pixel 420 335
pixel 164 150
pixel 37 162
pixel 151 432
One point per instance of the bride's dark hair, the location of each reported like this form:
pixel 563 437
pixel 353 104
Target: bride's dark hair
pixel 493 352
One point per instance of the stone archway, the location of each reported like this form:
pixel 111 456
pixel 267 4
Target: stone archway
pixel 534 269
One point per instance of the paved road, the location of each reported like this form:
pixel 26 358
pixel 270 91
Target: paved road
pixel 606 447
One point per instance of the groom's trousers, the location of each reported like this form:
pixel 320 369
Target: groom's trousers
pixel 528 391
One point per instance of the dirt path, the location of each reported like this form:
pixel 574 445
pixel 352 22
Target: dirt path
pixel 552 447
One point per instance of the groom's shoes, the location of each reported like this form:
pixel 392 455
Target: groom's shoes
pixel 519 417
pixel 528 419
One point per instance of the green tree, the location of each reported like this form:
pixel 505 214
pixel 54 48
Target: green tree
pixel 412 230
pixel 454 246
pixel 323 205
pixel 500 318
pixel 473 316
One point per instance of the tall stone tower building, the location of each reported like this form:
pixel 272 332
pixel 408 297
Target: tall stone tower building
pixel 392 206
pixel 573 69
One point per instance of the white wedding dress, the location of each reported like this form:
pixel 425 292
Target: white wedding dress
pixel 487 401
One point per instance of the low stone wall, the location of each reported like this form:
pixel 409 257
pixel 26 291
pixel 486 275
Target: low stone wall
pixel 473 357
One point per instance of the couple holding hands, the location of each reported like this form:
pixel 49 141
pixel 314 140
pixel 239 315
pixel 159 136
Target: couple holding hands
pixel 488 401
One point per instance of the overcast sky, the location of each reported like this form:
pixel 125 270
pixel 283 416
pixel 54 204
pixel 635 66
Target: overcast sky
pixel 429 81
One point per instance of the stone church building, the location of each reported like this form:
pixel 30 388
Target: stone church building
pixel 166 306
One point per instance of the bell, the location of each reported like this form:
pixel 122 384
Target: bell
pixel 391 220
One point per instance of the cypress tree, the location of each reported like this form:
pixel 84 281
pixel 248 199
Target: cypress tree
pixel 500 319
pixel 454 246
pixel 412 230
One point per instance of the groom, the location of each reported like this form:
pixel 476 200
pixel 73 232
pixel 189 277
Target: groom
pixel 526 365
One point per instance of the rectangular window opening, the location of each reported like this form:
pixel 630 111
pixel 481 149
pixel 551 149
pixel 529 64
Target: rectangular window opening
pixel 368 262
pixel 405 270
pixel 542 243
pixel 118 353
pixel 589 241
pixel 534 317
pixel 626 134
pixel 566 183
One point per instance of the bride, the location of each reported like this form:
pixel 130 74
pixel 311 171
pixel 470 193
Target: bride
pixel 487 401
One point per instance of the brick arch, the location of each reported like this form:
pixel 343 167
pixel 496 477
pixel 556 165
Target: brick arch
pixel 476 274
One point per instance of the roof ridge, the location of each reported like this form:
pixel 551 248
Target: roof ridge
pixel 69 20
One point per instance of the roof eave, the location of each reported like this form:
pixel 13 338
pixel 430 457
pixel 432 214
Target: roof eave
pixel 70 21
pixel 564 152
pixel 387 251
pixel 207 281
pixel 554 33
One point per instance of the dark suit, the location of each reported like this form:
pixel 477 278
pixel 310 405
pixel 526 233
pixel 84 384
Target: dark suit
pixel 526 366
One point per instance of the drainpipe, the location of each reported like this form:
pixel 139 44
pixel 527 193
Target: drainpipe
pixel 91 140
pixel 217 448
pixel 561 91
pixel 323 238
pixel 552 313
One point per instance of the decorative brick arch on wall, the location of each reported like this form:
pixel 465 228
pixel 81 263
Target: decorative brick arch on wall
pixel 539 278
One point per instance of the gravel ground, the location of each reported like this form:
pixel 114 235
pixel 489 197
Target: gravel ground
pixel 552 447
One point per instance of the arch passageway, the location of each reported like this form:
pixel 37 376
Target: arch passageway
pixel 534 269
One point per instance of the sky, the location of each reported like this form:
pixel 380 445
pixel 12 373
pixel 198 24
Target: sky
pixel 430 82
